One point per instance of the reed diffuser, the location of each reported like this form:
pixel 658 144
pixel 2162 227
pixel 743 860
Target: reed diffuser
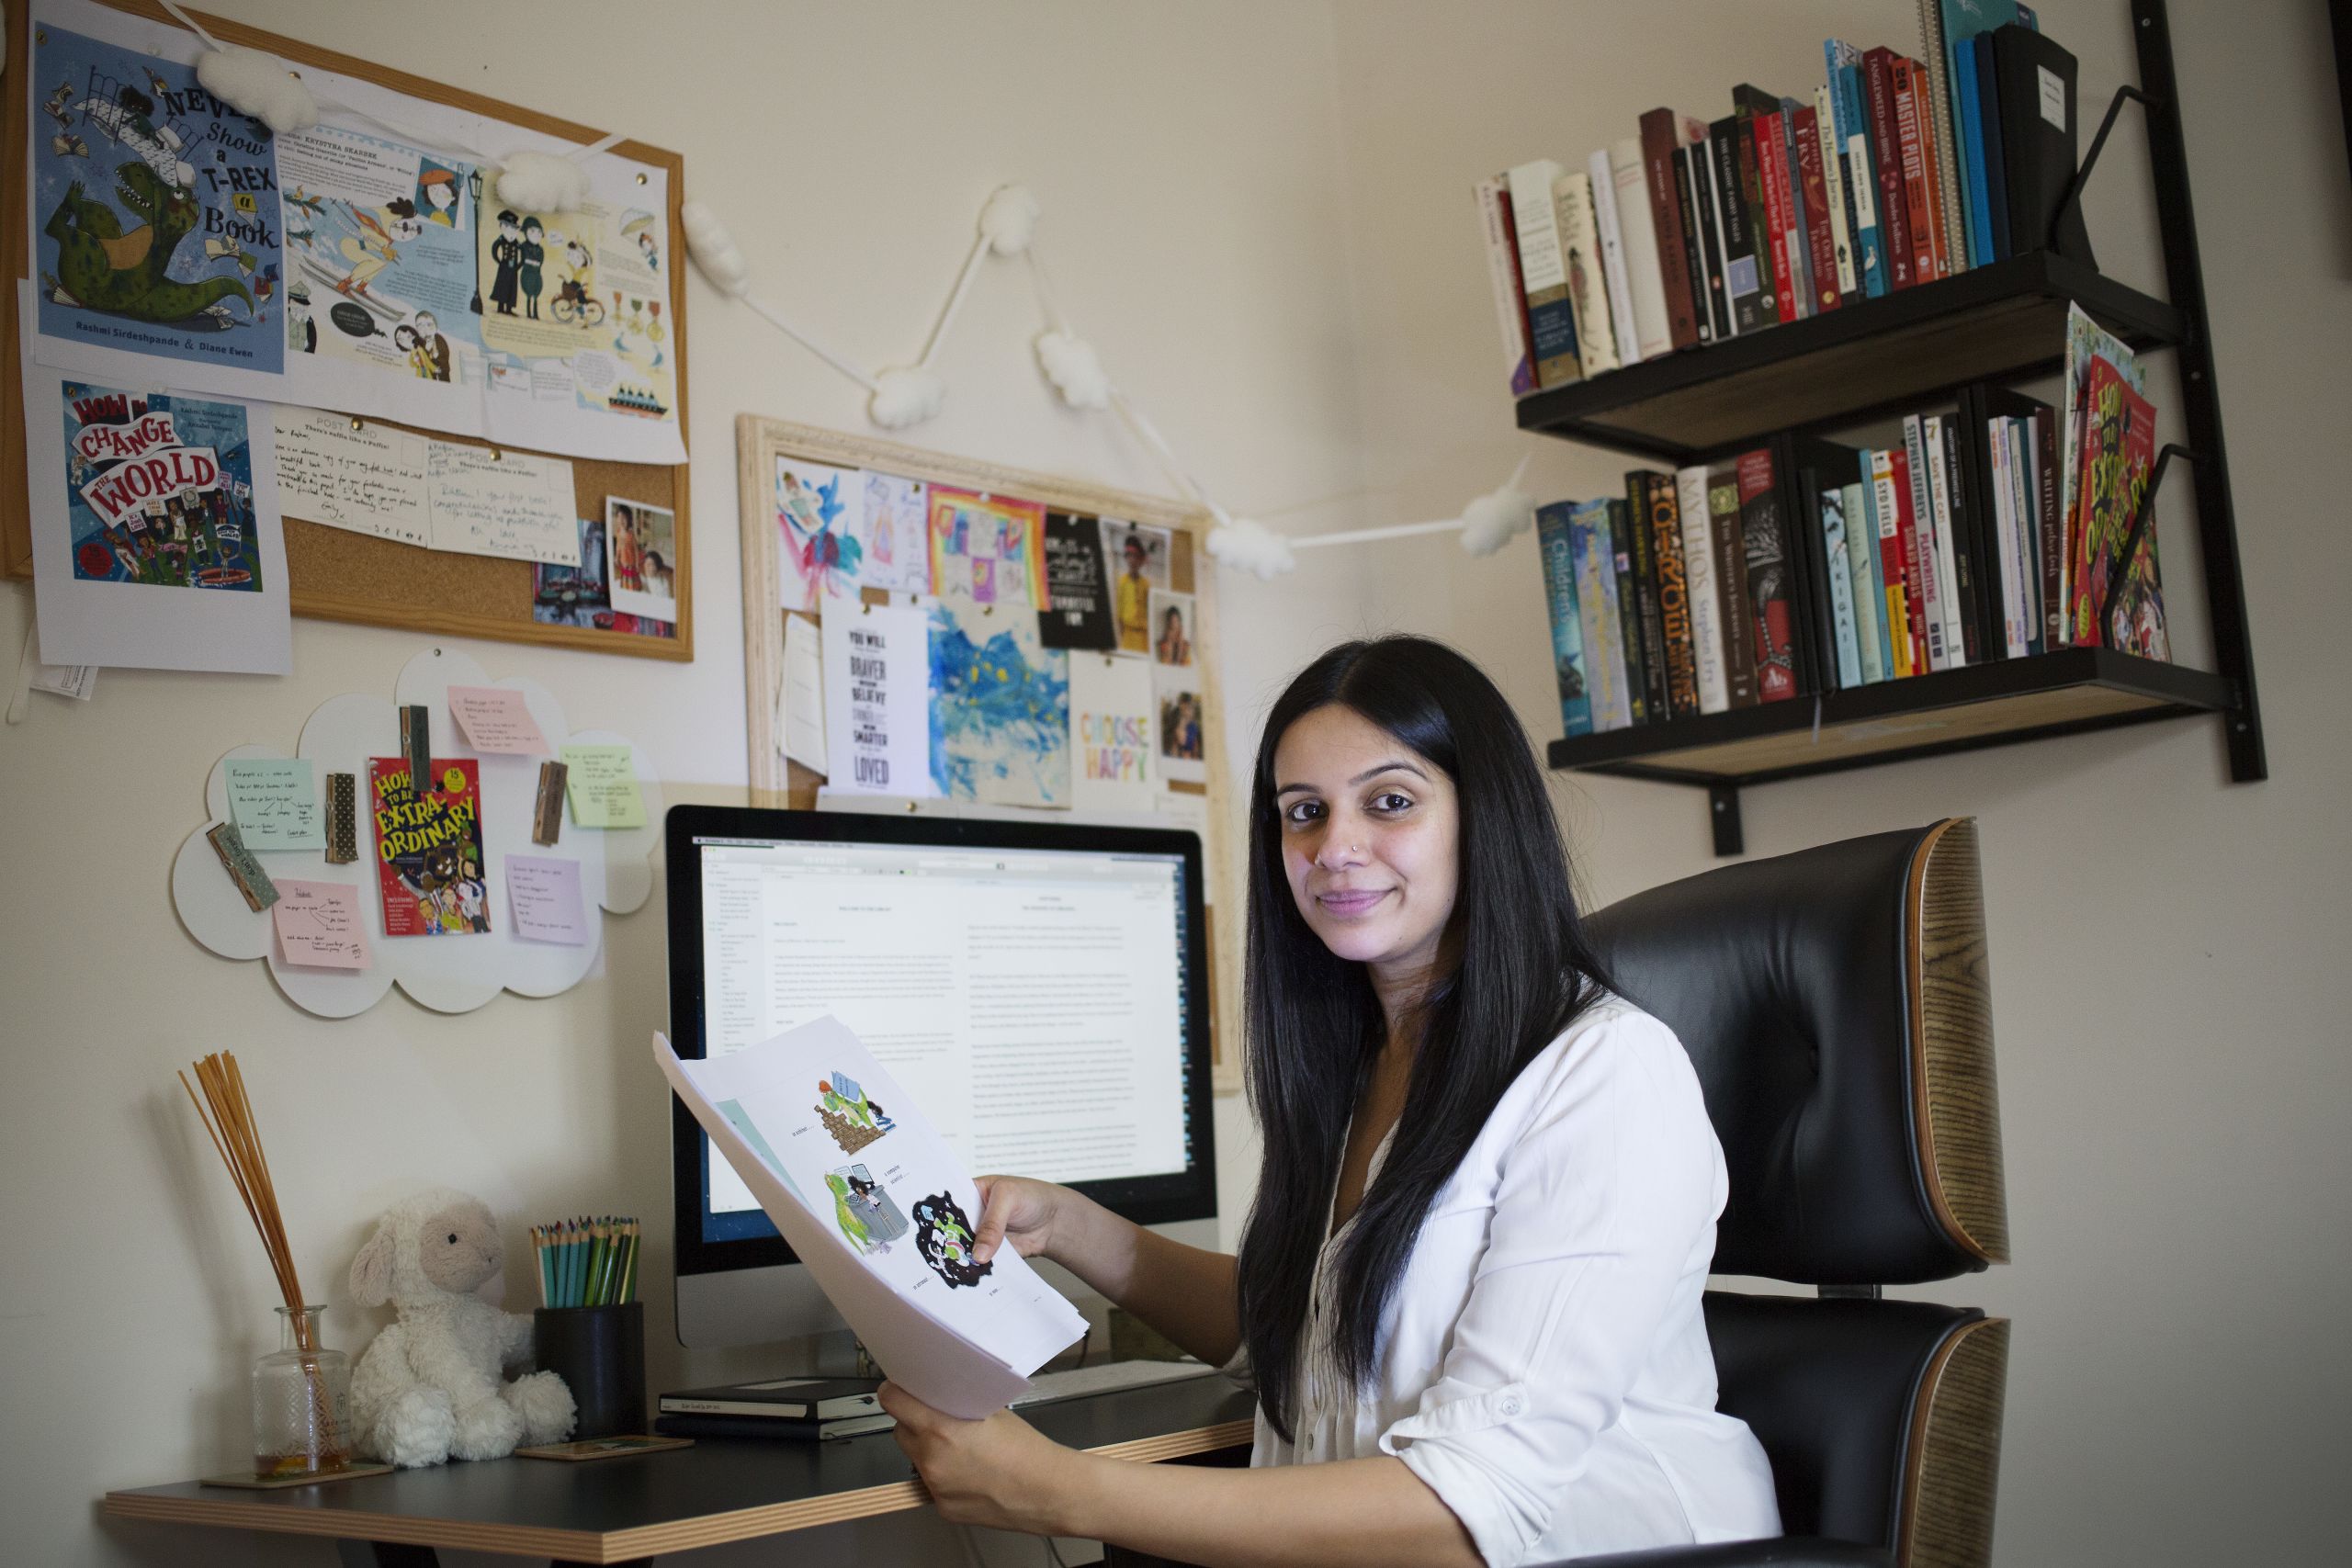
pixel 301 1393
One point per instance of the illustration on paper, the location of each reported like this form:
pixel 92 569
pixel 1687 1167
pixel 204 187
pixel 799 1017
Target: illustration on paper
pixel 890 535
pixel 999 706
pixel 160 490
pixel 574 307
pixel 428 848
pixel 943 1237
pixel 379 245
pixel 987 548
pixel 850 1120
pixel 154 208
pixel 820 513
pixel 868 1217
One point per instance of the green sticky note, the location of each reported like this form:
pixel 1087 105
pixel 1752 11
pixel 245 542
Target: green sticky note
pixel 602 783
pixel 275 803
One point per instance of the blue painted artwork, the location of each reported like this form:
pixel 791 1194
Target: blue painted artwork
pixel 1000 707
pixel 154 208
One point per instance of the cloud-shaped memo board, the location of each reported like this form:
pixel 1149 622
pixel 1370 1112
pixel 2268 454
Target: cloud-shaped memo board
pixel 451 973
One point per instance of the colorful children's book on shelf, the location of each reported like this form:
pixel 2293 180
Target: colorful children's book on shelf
pixel 1559 554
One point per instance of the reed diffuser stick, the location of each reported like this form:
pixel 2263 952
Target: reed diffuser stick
pixel 228 1116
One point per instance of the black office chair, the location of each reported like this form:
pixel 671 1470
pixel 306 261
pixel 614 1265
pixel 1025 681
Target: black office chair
pixel 1835 1003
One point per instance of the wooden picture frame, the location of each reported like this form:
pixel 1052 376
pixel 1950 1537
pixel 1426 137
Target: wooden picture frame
pixel 775 782
pixel 334 574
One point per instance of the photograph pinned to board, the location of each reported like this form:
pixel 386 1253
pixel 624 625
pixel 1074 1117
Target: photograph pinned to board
pixel 1077 612
pixel 1140 558
pixel 987 548
pixel 155 532
pixel 154 213
pixel 576 594
pixel 876 699
pixel 642 559
pixel 891 535
pixel 820 519
pixel 1112 725
pixel 999 706
pixel 429 848
pixel 1171 627
pixel 1181 759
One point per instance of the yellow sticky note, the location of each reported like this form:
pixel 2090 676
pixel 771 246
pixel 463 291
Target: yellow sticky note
pixel 602 783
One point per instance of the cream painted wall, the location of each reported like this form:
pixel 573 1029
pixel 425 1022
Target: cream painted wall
pixel 1184 159
pixel 2166 948
pixel 1260 214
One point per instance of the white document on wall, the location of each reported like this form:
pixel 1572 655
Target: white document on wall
pixel 1110 733
pixel 487 502
pixel 801 697
pixel 872 1200
pixel 353 474
pixel 877 706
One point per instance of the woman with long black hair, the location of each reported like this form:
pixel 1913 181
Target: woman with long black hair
pixel 1468 1291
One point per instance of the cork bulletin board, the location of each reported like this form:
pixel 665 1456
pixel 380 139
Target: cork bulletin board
pixel 777 781
pixel 334 574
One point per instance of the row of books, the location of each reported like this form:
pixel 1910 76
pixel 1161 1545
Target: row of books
pixel 1894 172
pixel 2000 529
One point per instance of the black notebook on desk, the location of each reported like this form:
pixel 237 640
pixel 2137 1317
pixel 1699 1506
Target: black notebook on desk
pixel 813 1400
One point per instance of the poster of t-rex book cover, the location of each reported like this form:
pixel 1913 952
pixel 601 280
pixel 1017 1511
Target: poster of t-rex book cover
pixel 154 208
pixel 429 864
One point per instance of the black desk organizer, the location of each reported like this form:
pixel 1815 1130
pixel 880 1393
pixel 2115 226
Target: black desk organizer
pixel 1907 351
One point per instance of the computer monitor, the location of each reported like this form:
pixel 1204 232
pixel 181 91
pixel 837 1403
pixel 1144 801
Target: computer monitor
pixel 1041 989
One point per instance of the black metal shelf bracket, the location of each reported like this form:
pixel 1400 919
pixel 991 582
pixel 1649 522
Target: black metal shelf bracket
pixel 2141 518
pixel 2125 94
pixel 1723 810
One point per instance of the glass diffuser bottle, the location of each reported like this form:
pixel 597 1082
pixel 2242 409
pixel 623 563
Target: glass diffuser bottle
pixel 302 1397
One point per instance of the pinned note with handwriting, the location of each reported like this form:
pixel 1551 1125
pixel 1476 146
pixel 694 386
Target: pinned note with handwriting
pixel 369 479
pixel 546 899
pixel 496 719
pixel 319 925
pixel 275 803
pixel 488 501
pixel 603 785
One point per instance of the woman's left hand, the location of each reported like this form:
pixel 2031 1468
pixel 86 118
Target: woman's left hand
pixel 997 1471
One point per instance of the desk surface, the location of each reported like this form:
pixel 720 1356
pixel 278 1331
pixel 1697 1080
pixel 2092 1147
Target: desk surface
pixel 617 1510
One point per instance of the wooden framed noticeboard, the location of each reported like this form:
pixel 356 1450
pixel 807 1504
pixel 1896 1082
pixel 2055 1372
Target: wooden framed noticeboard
pixel 334 574
pixel 779 781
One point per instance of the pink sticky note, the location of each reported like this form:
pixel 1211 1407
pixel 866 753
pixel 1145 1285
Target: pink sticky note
pixel 495 719
pixel 318 924
pixel 546 899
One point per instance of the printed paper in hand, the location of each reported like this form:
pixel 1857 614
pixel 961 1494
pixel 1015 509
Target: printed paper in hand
pixel 1111 734
pixel 803 695
pixel 318 924
pixel 496 719
pixel 546 896
pixel 602 783
pixel 880 1210
pixel 510 504
pixel 346 473
pixel 275 803
pixel 877 713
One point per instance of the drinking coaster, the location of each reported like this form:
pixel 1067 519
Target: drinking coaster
pixel 343 819
pixel 280 1483
pixel 603 1447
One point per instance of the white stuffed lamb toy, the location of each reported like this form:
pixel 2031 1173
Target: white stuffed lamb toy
pixel 429 1388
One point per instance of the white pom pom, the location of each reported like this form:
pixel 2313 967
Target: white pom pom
pixel 1071 364
pixel 1247 545
pixel 258 84
pixel 714 250
pixel 1009 219
pixel 542 181
pixel 906 396
pixel 1496 518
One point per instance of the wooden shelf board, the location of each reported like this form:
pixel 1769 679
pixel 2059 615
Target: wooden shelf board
pixel 2005 319
pixel 2019 699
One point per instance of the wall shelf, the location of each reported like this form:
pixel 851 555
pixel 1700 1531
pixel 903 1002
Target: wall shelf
pixel 1901 352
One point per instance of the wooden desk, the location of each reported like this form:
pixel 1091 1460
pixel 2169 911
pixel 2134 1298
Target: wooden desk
pixel 625 1510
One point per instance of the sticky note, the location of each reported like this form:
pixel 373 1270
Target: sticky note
pixel 275 803
pixel 319 925
pixel 546 896
pixel 602 781
pixel 496 719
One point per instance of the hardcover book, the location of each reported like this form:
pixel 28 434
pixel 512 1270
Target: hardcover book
pixel 1749 104
pixel 1861 570
pixel 1677 658
pixel 1694 254
pixel 1771 608
pixel 1624 524
pixel 1554 544
pixel 1911 144
pixel 1596 335
pixel 1821 245
pixel 2034 88
pixel 1704 594
pixel 1852 114
pixel 1886 160
pixel 1543 268
pixel 1502 279
pixel 1743 285
pixel 1886 503
pixel 1661 134
pixel 1619 282
pixel 1644 274
pixel 1731 572
pixel 1924 555
pixel 1711 236
pixel 1594 557
pixel 2120 447
pixel 1841 586
pixel 1841 206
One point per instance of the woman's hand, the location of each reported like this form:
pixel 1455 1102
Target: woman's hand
pixel 1014 1209
pixel 997 1471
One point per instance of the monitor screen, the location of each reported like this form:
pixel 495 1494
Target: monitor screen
pixel 1041 989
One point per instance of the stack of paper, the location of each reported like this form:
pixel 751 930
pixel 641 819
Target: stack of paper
pixel 871 1200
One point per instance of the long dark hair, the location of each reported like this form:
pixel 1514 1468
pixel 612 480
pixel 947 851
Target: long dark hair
pixel 1514 970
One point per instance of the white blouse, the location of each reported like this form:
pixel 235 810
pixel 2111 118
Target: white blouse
pixel 1544 1367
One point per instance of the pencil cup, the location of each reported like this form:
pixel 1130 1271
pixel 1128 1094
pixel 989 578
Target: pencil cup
pixel 600 1354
